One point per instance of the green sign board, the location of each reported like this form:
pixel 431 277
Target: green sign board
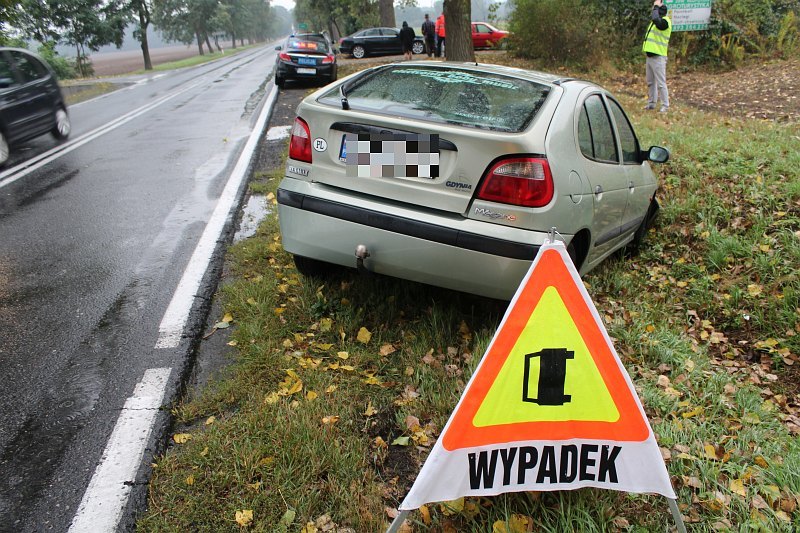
pixel 303 26
pixel 689 15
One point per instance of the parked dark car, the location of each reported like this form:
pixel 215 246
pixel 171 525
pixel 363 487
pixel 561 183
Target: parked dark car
pixel 31 103
pixel 305 57
pixel 377 41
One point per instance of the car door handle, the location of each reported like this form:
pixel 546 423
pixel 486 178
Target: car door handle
pixel 598 190
pixel 630 185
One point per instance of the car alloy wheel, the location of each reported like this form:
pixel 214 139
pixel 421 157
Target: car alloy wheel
pixel 5 151
pixel 359 52
pixel 63 127
pixel 417 47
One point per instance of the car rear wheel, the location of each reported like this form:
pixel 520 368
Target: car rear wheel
pixel 359 52
pixel 5 150
pixel 647 223
pixel 312 268
pixel 417 47
pixel 280 82
pixel 63 126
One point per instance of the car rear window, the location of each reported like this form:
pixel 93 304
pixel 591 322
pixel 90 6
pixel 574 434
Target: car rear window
pixel 307 46
pixel 447 95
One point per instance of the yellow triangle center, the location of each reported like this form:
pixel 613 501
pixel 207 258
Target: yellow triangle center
pixel 562 383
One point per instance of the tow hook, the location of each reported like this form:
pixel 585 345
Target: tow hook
pixel 361 254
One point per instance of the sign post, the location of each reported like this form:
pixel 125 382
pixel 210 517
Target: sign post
pixel 549 407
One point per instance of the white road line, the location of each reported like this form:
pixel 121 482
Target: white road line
pixel 177 313
pixel 13 174
pixel 107 494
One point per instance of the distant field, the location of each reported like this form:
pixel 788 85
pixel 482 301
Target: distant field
pixel 115 63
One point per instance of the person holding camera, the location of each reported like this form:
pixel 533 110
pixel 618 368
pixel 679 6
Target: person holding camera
pixel 655 45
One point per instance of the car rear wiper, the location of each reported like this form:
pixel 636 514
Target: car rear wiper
pixel 364 76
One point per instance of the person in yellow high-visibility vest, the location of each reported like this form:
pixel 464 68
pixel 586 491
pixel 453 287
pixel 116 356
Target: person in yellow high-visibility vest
pixel 655 45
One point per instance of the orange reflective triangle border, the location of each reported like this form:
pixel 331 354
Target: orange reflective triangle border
pixel 550 373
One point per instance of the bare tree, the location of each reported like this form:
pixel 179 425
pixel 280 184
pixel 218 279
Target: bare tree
pixel 457 14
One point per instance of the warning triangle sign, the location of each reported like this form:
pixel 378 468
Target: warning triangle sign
pixel 549 407
pixel 550 370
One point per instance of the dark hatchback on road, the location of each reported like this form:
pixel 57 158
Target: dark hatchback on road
pixel 305 57
pixel 377 41
pixel 31 103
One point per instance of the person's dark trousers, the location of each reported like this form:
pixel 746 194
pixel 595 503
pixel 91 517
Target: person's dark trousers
pixel 439 44
pixel 430 46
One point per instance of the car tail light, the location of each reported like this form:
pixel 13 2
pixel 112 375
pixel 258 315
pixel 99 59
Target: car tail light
pixel 285 56
pixel 330 58
pixel 523 181
pixel 300 143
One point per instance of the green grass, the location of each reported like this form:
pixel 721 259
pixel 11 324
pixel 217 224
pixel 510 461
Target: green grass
pixel 705 318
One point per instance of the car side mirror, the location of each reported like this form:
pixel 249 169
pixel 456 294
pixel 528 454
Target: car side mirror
pixel 657 154
pixel 279 47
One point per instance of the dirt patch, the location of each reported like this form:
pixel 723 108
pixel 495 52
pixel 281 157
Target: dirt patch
pixel 766 90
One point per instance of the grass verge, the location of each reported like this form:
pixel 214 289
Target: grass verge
pixel 343 384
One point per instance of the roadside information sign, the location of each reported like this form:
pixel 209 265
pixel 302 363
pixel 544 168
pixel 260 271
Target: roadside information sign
pixel 689 15
pixel 549 407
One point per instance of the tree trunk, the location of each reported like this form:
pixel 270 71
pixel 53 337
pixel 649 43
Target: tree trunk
pixel 458 43
pixel 144 22
pixel 199 42
pixel 233 40
pixel 208 44
pixel 386 10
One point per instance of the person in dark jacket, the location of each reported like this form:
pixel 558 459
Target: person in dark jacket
pixel 429 35
pixel 656 43
pixel 407 37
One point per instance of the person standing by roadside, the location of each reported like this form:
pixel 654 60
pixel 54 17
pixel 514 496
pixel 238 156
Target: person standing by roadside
pixel 440 34
pixel 429 35
pixel 407 36
pixel 655 45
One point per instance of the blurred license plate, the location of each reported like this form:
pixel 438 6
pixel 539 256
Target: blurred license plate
pixel 306 71
pixel 390 155
pixel 306 61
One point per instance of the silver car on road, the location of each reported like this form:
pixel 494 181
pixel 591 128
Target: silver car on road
pixel 453 174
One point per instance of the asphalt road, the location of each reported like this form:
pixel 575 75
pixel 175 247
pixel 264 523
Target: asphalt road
pixel 93 243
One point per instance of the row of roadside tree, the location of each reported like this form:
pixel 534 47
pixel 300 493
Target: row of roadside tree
pixel 87 25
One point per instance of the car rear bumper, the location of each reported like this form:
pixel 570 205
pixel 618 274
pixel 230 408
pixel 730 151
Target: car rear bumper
pixel 289 71
pixel 435 248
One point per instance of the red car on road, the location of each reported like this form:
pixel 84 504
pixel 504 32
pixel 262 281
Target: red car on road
pixel 484 35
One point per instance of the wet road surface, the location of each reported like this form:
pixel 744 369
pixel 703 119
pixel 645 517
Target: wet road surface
pixel 93 242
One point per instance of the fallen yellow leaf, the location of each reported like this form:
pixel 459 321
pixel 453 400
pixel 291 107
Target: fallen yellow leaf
pixel 244 517
pixel 426 514
pixel 370 410
pixel 364 335
pixel 325 324
pixel 252 301
pixel 297 387
pixel 210 420
pixel 342 355
pixel 182 438
pixel 190 480
pixel 452 507
pixel 311 395
pixel 737 486
pixel 272 398
pixel 330 419
pixel 331 388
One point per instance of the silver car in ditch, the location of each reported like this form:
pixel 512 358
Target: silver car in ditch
pixel 453 174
